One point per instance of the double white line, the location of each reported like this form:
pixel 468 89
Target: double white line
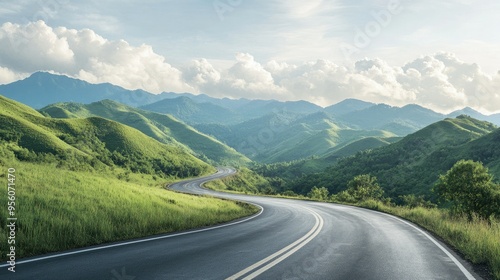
pixel 265 264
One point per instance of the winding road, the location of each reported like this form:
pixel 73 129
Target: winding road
pixel 287 239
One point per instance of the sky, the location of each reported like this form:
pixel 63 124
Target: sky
pixel 444 55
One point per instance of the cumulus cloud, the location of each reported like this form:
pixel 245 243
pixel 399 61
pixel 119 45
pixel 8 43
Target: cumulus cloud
pixel 245 78
pixel 86 55
pixel 441 81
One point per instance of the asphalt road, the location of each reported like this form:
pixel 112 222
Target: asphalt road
pixel 288 239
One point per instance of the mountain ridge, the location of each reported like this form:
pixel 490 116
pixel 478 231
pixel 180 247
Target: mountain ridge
pixel 92 142
pixel 161 127
pixel 43 88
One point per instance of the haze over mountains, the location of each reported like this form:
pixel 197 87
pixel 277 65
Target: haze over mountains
pixel 43 88
pixel 228 130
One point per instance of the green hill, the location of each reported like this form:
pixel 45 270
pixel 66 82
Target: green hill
pixel 413 164
pixel 286 136
pixel 89 143
pixel 298 168
pixel 163 128
pixel 83 182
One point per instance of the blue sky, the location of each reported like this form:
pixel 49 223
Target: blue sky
pixel 321 51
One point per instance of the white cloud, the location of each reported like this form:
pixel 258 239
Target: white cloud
pixel 245 78
pixel 8 76
pixel 201 72
pixel 86 55
pixel 441 81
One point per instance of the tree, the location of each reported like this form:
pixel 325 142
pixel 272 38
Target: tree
pixel 318 193
pixel 364 187
pixel 469 188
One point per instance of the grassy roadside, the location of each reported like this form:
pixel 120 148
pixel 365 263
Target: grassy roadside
pixel 477 240
pixel 58 209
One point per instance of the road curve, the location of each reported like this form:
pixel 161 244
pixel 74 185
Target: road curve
pixel 288 239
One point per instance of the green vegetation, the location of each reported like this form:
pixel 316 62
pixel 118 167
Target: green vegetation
pixel 163 128
pixel 361 188
pixel 59 209
pixel 320 194
pixel 90 144
pixel 469 188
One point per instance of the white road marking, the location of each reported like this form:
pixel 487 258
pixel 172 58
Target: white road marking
pixel 139 241
pixel 455 260
pixel 282 254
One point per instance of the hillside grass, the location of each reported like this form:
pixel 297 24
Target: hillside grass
pixel 58 209
pixel 478 240
pixel 163 128
pixel 90 144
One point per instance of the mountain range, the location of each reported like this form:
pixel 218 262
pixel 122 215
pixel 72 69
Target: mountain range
pixel 262 130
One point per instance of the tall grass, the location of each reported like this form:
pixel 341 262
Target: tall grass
pixel 478 240
pixel 59 209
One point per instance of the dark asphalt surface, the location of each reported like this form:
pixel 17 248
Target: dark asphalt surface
pixel 289 239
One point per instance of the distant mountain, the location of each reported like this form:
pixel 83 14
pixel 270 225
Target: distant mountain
pixel 228 103
pixel 348 106
pixel 42 89
pixel 400 120
pixel 89 143
pixel 185 109
pixel 495 119
pixel 259 108
pixel 204 110
pixel 413 164
pixel 286 136
pixel 161 127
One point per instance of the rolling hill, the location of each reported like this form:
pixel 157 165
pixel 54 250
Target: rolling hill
pixel 413 164
pixel 163 128
pixel 90 143
pixel 286 136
